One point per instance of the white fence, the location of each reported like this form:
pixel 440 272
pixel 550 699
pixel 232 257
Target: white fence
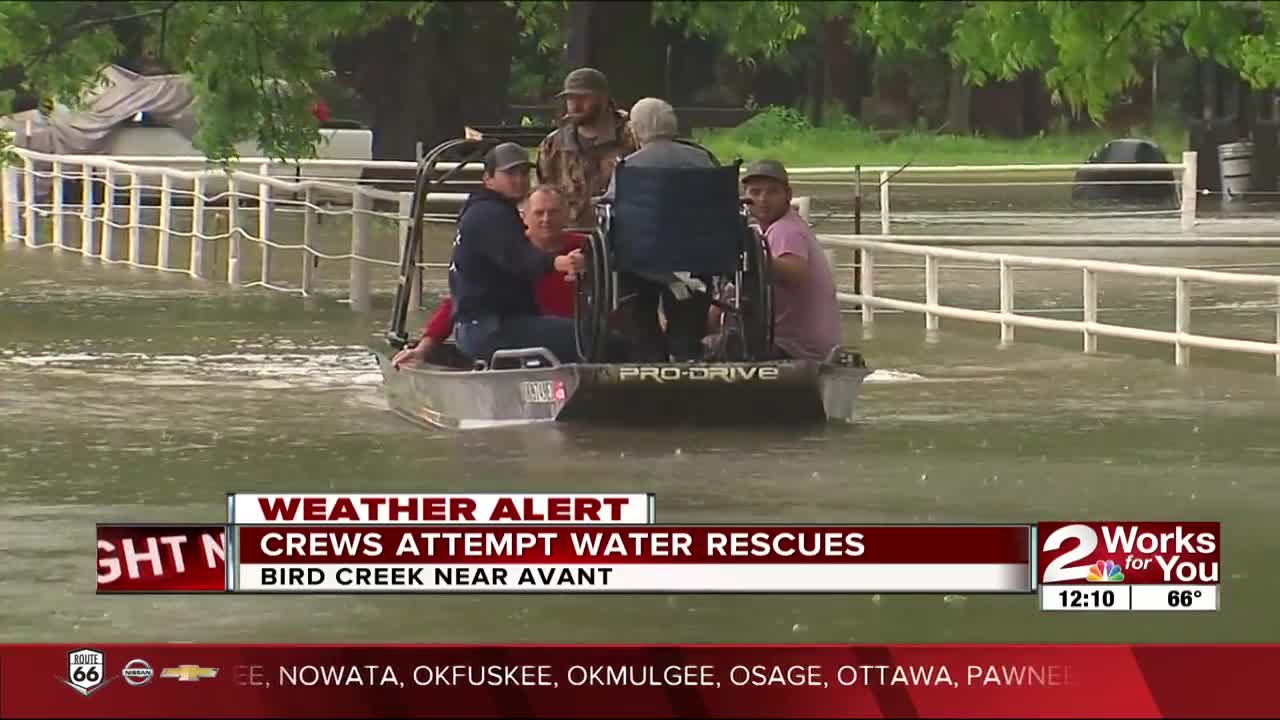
pixel 95 210
pixel 882 179
pixel 340 175
pixel 314 198
pixel 1089 328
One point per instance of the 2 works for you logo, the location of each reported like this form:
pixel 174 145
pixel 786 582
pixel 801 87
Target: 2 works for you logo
pixel 1154 553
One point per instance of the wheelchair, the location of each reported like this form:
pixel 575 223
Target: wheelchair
pixel 666 220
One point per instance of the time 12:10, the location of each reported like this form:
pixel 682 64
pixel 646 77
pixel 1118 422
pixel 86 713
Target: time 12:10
pixel 1088 598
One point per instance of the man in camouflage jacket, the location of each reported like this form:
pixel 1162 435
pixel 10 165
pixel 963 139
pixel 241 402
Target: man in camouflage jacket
pixel 579 156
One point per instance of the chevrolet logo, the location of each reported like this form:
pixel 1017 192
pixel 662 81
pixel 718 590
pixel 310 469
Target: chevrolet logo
pixel 189 673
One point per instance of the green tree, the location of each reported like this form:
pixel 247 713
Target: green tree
pixel 255 65
pixel 1086 50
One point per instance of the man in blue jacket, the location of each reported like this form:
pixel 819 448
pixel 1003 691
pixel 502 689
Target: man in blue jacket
pixel 494 267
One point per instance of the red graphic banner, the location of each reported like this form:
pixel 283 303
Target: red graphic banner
pixel 925 544
pixel 161 558
pixel 535 508
pixel 223 681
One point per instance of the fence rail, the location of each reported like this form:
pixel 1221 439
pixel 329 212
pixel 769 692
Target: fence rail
pixel 1090 329
pixel 97 213
pixel 254 197
pixel 883 175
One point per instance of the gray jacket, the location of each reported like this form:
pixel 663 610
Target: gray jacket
pixel 664 154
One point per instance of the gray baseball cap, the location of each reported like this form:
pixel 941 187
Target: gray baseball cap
pixel 585 81
pixel 506 157
pixel 769 169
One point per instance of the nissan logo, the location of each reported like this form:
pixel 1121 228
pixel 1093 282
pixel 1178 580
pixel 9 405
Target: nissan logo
pixel 137 672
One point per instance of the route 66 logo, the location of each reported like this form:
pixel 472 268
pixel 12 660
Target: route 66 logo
pixel 86 671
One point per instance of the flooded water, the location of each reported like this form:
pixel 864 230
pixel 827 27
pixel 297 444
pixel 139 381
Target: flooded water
pixel 128 396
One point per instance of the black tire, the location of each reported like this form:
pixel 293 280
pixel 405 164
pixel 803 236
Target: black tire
pixel 755 299
pixel 591 300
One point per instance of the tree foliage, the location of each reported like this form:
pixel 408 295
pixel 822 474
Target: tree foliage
pixel 543 22
pixel 255 65
pixel 746 29
pixel 263 84
pixel 1086 50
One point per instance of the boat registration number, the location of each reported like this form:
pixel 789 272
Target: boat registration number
pixel 538 391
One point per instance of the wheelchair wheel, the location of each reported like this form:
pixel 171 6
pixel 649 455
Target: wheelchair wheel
pixel 592 300
pixel 756 299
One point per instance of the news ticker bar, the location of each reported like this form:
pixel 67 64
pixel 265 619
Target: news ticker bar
pixel 938 680
pixel 1096 597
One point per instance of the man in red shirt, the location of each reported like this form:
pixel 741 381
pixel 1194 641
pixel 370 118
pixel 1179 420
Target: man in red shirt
pixel 545 216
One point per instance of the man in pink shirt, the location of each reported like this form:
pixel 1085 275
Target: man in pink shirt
pixel 806 311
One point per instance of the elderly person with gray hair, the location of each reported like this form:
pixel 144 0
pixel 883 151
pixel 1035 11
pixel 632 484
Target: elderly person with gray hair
pixel 684 300
pixel 655 126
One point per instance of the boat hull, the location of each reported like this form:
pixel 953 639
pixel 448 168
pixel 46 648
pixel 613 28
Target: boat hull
pixel 789 392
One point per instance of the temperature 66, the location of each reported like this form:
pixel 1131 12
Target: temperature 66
pixel 1183 598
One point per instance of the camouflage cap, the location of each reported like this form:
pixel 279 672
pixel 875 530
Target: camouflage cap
pixel 769 169
pixel 585 81
pixel 505 157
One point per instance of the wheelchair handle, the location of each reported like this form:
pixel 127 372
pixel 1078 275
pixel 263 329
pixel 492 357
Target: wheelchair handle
pixel 524 353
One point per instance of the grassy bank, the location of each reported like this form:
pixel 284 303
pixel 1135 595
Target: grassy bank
pixel 785 135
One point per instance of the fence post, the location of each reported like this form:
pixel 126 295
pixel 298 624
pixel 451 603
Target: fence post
pixel 857 228
pixel 29 202
pixel 406 227
pixel 88 238
pixel 309 228
pixel 1006 302
pixel 1189 195
pixel 884 203
pixel 803 205
pixel 197 228
pixel 264 221
pixel 10 203
pixel 359 249
pixel 164 255
pixel 108 209
pixel 1182 321
pixel 233 233
pixel 1090 310
pixel 930 291
pixel 868 285
pixel 55 181
pixel 135 220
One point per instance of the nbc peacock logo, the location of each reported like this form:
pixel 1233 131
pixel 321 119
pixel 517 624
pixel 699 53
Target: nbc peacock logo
pixel 1105 571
